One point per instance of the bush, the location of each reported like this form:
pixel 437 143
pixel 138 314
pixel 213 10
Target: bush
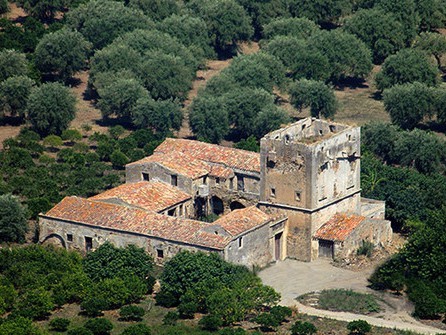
pixel 348 301
pixel 366 248
pixel 359 327
pixel 303 328
pixel 99 326
pixel 80 331
pixel 139 329
pixel 170 318
pixel 232 331
pixel 131 313
pixel 59 324
pixel 118 159
pixel 210 322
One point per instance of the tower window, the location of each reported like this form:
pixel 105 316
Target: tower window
pixel 240 183
pixel 217 180
pixel 145 176
pixel 174 180
pixel 70 237
pixel 297 195
pixel 240 242
pixel 231 183
pixel 160 253
pixel 88 243
pixel 273 192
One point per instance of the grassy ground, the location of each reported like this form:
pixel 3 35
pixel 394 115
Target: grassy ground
pixel 341 300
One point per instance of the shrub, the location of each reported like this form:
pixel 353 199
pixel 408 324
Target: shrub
pixel 166 299
pixel 232 331
pixel 71 135
pixel 348 301
pixel 303 328
pixel 281 312
pixel 170 318
pixel 99 326
pixel 366 248
pixel 131 313
pixel 210 322
pixel 139 329
pixel 267 321
pixel 118 159
pixel 359 327
pixel 59 324
pixel 80 331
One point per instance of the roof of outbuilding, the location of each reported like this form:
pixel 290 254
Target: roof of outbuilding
pixel 150 195
pixel 136 220
pixel 205 152
pixel 339 227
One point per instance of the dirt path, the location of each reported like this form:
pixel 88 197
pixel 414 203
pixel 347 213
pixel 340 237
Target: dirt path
pixel 292 279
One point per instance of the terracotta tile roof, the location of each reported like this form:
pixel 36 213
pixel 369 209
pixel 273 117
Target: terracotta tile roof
pixel 230 157
pixel 130 219
pixel 339 227
pixel 221 171
pixel 241 220
pixel 153 196
pixel 178 162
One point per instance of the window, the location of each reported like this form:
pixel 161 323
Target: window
pixel 70 237
pixel 174 180
pixel 88 243
pixel 273 192
pixel 205 180
pixel 240 242
pixel 181 210
pixel 217 180
pixel 231 183
pixel 240 183
pixel 145 176
pixel 171 212
pixel 332 128
pixel 297 196
pixel 160 253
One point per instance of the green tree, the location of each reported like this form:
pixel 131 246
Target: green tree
pixel 99 326
pixel 359 327
pixel 19 326
pixel 380 31
pixel 14 93
pixel 43 9
pixel 299 58
pixel 63 53
pixel 71 135
pixel 4 8
pixel 209 119
pixel 138 329
pixel 157 10
pixel 408 104
pixel 120 97
pixel 160 115
pixel 407 66
pixel 303 328
pixel 321 11
pixel 347 55
pixel 53 141
pixel 50 108
pixel 101 21
pixel 314 94
pixel 79 331
pixel 34 304
pixel 59 324
pixel 119 159
pixel 131 313
pixel 433 43
pixel 210 322
pixel 299 28
pixel 227 23
pixel 12 63
pixel 13 222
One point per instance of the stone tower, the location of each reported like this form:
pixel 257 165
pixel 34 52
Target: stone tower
pixel 310 171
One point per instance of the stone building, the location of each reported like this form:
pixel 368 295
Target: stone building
pixel 299 198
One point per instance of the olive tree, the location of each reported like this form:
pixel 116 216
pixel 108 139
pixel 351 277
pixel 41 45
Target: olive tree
pixel 315 95
pixel 50 109
pixel 379 30
pixel 433 43
pixel 321 11
pixel 297 27
pixel 14 94
pixel 407 66
pixel 12 63
pixel 63 53
pixel 157 10
pixel 13 221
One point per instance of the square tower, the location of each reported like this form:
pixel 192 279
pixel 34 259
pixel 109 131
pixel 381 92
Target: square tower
pixel 310 170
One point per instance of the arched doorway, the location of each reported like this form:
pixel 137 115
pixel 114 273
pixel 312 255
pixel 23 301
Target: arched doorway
pixel 55 240
pixel 236 205
pixel 217 205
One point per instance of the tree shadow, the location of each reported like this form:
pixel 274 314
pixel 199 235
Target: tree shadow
pixel 351 83
pixel 433 126
pixel 8 120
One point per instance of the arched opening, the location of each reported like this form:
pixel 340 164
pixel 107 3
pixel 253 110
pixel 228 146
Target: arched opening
pixel 217 205
pixel 200 207
pixel 236 205
pixel 55 240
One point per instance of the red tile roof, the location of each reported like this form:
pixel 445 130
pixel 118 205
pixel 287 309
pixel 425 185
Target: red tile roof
pixel 229 157
pixel 339 227
pixel 221 171
pixel 242 220
pixel 136 220
pixel 131 219
pixel 178 162
pixel 153 196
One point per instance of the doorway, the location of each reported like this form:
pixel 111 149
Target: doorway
pixel 278 246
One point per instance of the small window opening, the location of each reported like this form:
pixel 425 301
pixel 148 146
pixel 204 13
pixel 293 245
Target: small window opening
pixel 88 243
pixel 297 196
pixel 303 126
pixel 240 242
pixel 174 180
pixel 205 180
pixel 240 183
pixel 273 192
pixel 324 166
pixel 332 128
pixel 145 176
pixel 270 164
pixel 321 132
pixel 231 183
pixel 70 237
pixel 171 212
pixel 287 139
pixel 160 253
pixel 217 180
